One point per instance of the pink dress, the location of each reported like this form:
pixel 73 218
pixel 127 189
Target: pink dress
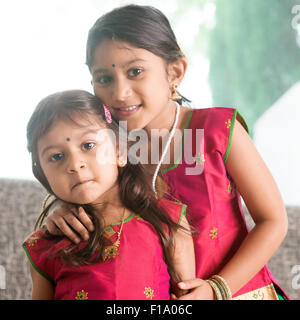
pixel 138 272
pixel 213 202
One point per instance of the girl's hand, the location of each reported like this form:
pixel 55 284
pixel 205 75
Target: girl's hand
pixel 198 290
pixel 62 218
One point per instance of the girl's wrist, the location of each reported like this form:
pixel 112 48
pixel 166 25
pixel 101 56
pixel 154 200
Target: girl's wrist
pixel 212 291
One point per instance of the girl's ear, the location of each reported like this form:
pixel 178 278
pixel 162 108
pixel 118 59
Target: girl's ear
pixel 176 71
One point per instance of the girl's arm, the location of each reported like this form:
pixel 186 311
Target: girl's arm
pixel 61 219
pixel 263 200
pixel 183 255
pixel 42 289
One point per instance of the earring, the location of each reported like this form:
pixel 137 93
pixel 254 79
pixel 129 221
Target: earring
pixel 175 96
pixel 122 162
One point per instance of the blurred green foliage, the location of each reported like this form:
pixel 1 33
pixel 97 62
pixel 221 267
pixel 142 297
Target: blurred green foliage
pixel 253 53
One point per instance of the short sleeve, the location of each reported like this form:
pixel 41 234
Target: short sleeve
pixel 235 117
pixel 219 126
pixel 41 255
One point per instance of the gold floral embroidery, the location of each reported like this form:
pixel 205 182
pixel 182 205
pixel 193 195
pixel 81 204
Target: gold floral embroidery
pixel 32 240
pixel 228 123
pixel 199 159
pixel 149 293
pixel 82 295
pixel 213 233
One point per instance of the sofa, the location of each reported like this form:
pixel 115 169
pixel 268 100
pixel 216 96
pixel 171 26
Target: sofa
pixel 20 204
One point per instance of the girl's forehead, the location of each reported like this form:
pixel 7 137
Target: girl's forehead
pixel 115 45
pixel 79 121
pixel 66 129
pixel 118 53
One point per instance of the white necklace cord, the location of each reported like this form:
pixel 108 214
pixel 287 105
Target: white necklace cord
pixel 166 147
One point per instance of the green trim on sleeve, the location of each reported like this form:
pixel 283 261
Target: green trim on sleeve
pixel 43 274
pixel 243 122
pixel 235 115
pixel 230 135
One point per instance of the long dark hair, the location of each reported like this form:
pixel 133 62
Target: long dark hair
pixel 143 27
pixel 135 187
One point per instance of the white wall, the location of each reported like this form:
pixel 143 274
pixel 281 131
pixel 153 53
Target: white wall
pixel 277 138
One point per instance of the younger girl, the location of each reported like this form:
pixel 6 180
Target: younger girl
pixel 135 242
pixel 136 65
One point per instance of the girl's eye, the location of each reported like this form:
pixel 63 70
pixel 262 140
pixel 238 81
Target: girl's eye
pixel 135 72
pixel 103 79
pixel 56 157
pixel 88 145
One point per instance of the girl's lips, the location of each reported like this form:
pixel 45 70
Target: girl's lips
pixel 127 111
pixel 81 183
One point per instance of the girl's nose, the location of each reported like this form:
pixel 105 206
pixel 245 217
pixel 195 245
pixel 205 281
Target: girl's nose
pixel 121 90
pixel 76 165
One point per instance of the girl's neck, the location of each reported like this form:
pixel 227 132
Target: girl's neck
pixel 109 207
pixel 181 126
pixel 110 212
pixel 164 120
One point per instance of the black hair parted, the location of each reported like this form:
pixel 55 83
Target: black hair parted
pixel 141 26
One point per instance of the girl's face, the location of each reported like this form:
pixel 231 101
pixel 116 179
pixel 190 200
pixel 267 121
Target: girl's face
pixel 133 82
pixel 79 161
